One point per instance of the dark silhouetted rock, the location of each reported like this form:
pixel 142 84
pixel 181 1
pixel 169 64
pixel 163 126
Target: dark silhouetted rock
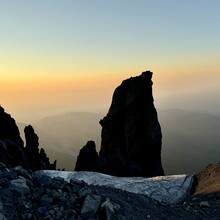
pixel 131 134
pixel 31 149
pixel 88 159
pixel 12 154
pixel 45 162
pixel 90 205
pixel 9 129
pixel 12 151
pixel 38 159
pixel 11 144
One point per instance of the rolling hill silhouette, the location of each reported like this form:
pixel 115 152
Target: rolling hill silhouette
pixel 64 135
pixel 191 140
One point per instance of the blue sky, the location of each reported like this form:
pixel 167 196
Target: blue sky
pixel 47 40
pixel 130 30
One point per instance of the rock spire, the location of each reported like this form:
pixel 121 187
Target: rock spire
pixel 131 133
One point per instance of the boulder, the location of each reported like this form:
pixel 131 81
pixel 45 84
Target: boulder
pixel 90 205
pixel 31 149
pixel 101 196
pixel 19 185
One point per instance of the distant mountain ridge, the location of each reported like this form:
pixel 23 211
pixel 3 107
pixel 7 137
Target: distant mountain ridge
pixel 63 135
pixel 190 140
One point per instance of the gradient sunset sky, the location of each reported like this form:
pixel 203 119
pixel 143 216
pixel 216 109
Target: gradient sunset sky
pixel 67 55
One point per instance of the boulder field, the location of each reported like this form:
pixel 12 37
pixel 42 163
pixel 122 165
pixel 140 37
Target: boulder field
pixel 25 194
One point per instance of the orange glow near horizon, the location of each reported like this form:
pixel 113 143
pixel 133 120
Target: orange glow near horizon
pixel 22 92
pixel 51 92
pixel 71 55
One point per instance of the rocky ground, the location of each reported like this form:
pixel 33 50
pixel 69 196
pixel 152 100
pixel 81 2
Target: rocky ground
pixel 28 195
pixel 208 179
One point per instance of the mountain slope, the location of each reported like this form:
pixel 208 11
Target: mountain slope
pixel 63 136
pixel 191 140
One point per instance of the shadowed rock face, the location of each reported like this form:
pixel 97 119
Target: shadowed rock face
pixel 88 159
pixel 12 151
pixel 11 144
pixel 31 149
pixel 38 159
pixel 9 129
pixel 12 154
pixel 131 134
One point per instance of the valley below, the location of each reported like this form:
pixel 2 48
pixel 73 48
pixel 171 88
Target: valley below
pixel 190 139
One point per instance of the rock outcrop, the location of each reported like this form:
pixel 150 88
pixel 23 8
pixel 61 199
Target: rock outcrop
pixel 11 144
pixel 38 159
pixel 12 154
pixel 208 179
pixel 88 159
pixel 12 150
pixel 9 129
pixel 131 133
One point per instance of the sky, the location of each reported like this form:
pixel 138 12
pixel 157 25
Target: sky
pixel 59 56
